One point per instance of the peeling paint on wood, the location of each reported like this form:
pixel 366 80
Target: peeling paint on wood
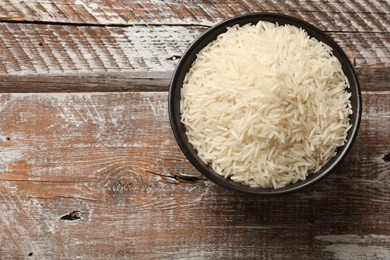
pixel 111 160
pixel 358 247
pixel 335 15
pixel 68 58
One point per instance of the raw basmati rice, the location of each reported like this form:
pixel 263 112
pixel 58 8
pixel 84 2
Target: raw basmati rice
pixel 266 105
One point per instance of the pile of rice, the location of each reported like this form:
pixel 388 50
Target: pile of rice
pixel 266 105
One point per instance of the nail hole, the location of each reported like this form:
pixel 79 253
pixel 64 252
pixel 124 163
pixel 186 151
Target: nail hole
pixel 8 139
pixel 74 215
pixel 386 158
pixel 30 254
pixel 174 57
pixel 40 44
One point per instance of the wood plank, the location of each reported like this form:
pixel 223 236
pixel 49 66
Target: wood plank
pixel 100 175
pixel 43 58
pixel 333 15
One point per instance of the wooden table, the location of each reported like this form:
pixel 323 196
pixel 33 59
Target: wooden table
pixel 89 167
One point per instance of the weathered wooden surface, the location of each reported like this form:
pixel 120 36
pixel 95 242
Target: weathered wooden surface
pixel 99 175
pixel 334 15
pixel 70 58
pixel 113 160
pixel 72 49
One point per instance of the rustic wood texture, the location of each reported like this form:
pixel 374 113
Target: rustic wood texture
pixel 45 58
pixel 72 49
pixel 334 15
pixel 92 170
pixel 100 175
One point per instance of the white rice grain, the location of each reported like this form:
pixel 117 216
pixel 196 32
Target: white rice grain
pixel 266 105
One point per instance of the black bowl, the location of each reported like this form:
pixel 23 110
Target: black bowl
pixel 189 57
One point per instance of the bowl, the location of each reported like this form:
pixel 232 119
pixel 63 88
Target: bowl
pixel 211 34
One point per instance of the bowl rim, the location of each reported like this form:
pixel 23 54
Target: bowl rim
pixel 182 140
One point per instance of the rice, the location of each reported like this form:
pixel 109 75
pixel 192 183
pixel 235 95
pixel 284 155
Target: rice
pixel 266 105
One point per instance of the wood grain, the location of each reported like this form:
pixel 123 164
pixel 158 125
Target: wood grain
pixel 334 15
pixel 100 176
pixel 48 58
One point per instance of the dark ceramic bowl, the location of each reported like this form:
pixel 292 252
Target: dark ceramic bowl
pixel 189 57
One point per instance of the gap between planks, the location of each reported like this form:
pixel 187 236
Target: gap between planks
pixel 119 25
